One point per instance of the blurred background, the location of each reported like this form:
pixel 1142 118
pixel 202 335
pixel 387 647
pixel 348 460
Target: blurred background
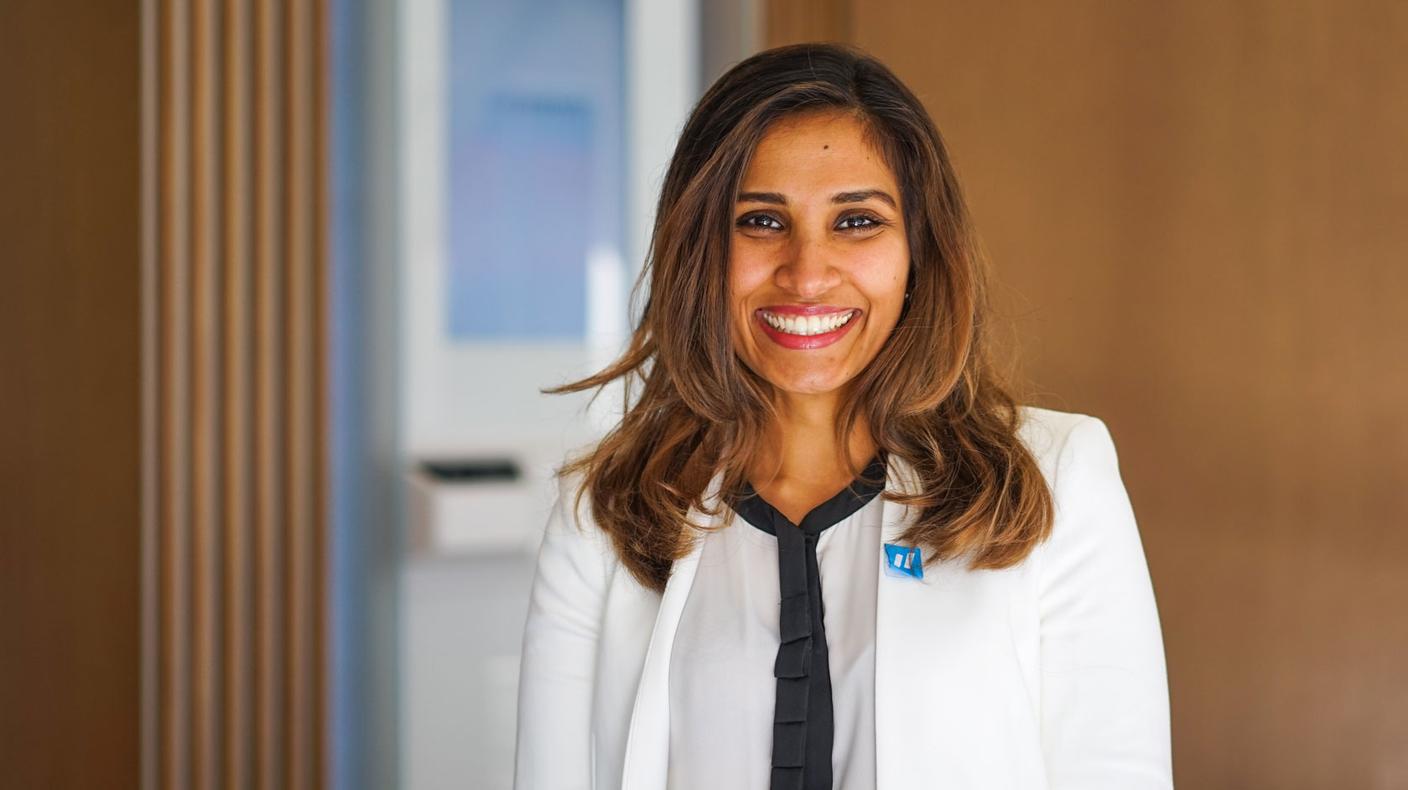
pixel 283 280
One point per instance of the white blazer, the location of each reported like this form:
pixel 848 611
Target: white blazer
pixel 1049 674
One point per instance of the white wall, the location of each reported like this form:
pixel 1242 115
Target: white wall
pixel 463 623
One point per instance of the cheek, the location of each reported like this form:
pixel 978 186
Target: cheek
pixel 746 274
pixel 748 266
pixel 882 278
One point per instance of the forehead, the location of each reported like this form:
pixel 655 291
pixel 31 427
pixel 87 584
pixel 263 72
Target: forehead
pixel 817 149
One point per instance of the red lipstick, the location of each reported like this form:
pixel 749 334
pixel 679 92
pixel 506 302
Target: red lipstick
pixel 804 342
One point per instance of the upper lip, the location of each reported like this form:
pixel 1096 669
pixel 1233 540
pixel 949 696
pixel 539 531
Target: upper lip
pixel 805 309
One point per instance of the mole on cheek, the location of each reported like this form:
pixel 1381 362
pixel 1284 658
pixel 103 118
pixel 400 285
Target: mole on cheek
pixel 824 147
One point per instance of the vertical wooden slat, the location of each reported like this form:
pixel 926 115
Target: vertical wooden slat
pixel 236 649
pixel 151 643
pixel 206 405
pixel 237 394
pixel 298 395
pixel 174 400
pixel 269 367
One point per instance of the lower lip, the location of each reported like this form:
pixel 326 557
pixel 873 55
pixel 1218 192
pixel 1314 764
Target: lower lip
pixel 805 341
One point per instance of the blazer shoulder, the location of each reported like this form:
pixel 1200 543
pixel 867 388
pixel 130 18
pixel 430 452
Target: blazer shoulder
pixel 1094 516
pixel 1047 432
pixel 571 529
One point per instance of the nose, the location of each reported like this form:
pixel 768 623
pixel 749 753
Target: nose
pixel 808 271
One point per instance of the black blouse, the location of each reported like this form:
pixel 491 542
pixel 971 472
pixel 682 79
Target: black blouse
pixel 802 729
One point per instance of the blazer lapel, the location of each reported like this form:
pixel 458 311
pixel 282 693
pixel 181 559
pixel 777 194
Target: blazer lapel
pixel 898 602
pixel 648 740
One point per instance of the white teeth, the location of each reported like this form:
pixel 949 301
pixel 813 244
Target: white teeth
pixel 810 324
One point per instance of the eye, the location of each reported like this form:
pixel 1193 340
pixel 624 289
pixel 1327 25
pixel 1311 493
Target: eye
pixel 859 222
pixel 763 222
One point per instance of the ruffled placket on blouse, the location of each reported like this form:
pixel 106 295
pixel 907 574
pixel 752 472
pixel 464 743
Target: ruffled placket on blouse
pixel 803 723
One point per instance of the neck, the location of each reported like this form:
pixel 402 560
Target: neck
pixel 802 449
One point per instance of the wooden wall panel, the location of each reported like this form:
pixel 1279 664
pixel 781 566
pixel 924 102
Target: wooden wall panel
pixel 237 266
pixel 791 21
pixel 1195 212
pixel 70 395
pixel 163 394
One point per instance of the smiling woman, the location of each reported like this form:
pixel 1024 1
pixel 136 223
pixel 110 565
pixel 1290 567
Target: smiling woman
pixel 824 546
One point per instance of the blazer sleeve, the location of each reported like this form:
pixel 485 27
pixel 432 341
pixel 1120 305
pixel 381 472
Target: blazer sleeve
pixel 1104 687
pixel 558 664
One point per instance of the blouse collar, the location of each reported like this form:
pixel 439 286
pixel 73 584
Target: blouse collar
pixel 761 513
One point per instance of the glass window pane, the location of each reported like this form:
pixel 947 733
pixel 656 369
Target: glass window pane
pixel 536 164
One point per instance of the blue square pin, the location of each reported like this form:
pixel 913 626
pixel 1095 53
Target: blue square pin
pixel 903 561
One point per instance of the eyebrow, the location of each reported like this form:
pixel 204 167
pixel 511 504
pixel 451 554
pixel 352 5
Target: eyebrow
pixel 858 196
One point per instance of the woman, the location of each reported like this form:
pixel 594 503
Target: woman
pixel 824 547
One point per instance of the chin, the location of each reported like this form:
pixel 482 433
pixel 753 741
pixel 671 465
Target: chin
pixel 809 384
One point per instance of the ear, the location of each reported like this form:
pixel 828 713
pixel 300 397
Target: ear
pixel 908 291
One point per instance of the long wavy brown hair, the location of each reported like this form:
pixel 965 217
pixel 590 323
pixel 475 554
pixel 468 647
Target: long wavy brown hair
pixel 931 396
